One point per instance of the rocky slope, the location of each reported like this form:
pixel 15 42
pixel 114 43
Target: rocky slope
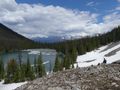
pixel 102 77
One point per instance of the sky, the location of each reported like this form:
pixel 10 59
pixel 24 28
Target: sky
pixel 45 18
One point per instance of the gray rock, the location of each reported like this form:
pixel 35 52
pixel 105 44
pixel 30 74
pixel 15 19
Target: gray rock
pixel 55 88
pixel 102 77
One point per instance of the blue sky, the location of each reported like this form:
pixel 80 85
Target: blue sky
pixel 95 6
pixel 44 18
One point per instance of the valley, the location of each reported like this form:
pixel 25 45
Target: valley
pixel 59 44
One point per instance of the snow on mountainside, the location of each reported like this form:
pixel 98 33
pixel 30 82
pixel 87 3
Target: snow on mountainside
pixel 110 52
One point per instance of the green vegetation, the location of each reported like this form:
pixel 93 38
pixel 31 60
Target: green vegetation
pixel 88 43
pixel 57 65
pixel 16 72
pixel 12 73
pixel 1 69
pixel 29 72
pixel 10 40
pixel 40 67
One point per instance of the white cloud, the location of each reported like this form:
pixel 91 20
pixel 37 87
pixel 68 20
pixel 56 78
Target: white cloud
pixel 117 8
pixel 90 3
pixel 118 0
pixel 39 20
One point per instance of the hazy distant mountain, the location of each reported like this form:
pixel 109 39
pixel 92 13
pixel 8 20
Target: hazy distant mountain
pixel 50 39
pixel 12 40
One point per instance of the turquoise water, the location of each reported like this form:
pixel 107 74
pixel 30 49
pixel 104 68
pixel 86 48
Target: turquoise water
pixel 48 56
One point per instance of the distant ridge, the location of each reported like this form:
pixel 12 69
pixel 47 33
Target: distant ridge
pixel 51 39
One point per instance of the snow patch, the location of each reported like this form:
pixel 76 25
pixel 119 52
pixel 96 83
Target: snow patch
pixel 96 56
pixel 11 86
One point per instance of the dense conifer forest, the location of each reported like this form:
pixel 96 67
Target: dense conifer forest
pixel 88 43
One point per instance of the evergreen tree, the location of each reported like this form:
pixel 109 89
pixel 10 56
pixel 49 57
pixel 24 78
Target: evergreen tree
pixel 12 72
pixel 67 61
pixel 1 69
pixel 57 64
pixel 61 64
pixel 74 55
pixel 50 67
pixel 20 58
pixel 23 72
pixel 17 76
pixel 29 72
pixel 40 67
pixel 35 66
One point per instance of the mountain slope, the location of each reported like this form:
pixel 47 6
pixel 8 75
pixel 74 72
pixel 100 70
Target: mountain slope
pixel 110 52
pixel 6 33
pixel 12 40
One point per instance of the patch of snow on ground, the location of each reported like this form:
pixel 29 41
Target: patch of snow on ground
pixel 11 86
pixel 97 56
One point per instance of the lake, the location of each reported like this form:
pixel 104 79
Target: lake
pixel 48 56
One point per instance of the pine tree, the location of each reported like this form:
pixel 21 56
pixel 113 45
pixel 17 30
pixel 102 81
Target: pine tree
pixel 40 67
pixel 35 66
pixel 67 61
pixel 21 69
pixel 50 66
pixel 17 75
pixel 12 72
pixel 74 55
pixel 20 58
pixel 29 72
pixel 1 69
pixel 57 64
pixel 23 72
pixel 61 64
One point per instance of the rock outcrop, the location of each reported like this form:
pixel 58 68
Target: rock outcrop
pixel 102 77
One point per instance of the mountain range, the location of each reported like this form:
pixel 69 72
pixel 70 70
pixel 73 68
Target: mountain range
pixel 54 39
pixel 50 39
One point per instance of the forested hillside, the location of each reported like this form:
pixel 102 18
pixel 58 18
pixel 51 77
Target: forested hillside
pixel 88 43
pixel 10 40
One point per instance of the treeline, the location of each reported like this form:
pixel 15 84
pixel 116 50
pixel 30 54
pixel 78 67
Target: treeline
pixel 18 72
pixel 65 61
pixel 87 43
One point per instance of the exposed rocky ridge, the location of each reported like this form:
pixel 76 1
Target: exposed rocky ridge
pixel 102 77
pixel 113 52
pixel 111 46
